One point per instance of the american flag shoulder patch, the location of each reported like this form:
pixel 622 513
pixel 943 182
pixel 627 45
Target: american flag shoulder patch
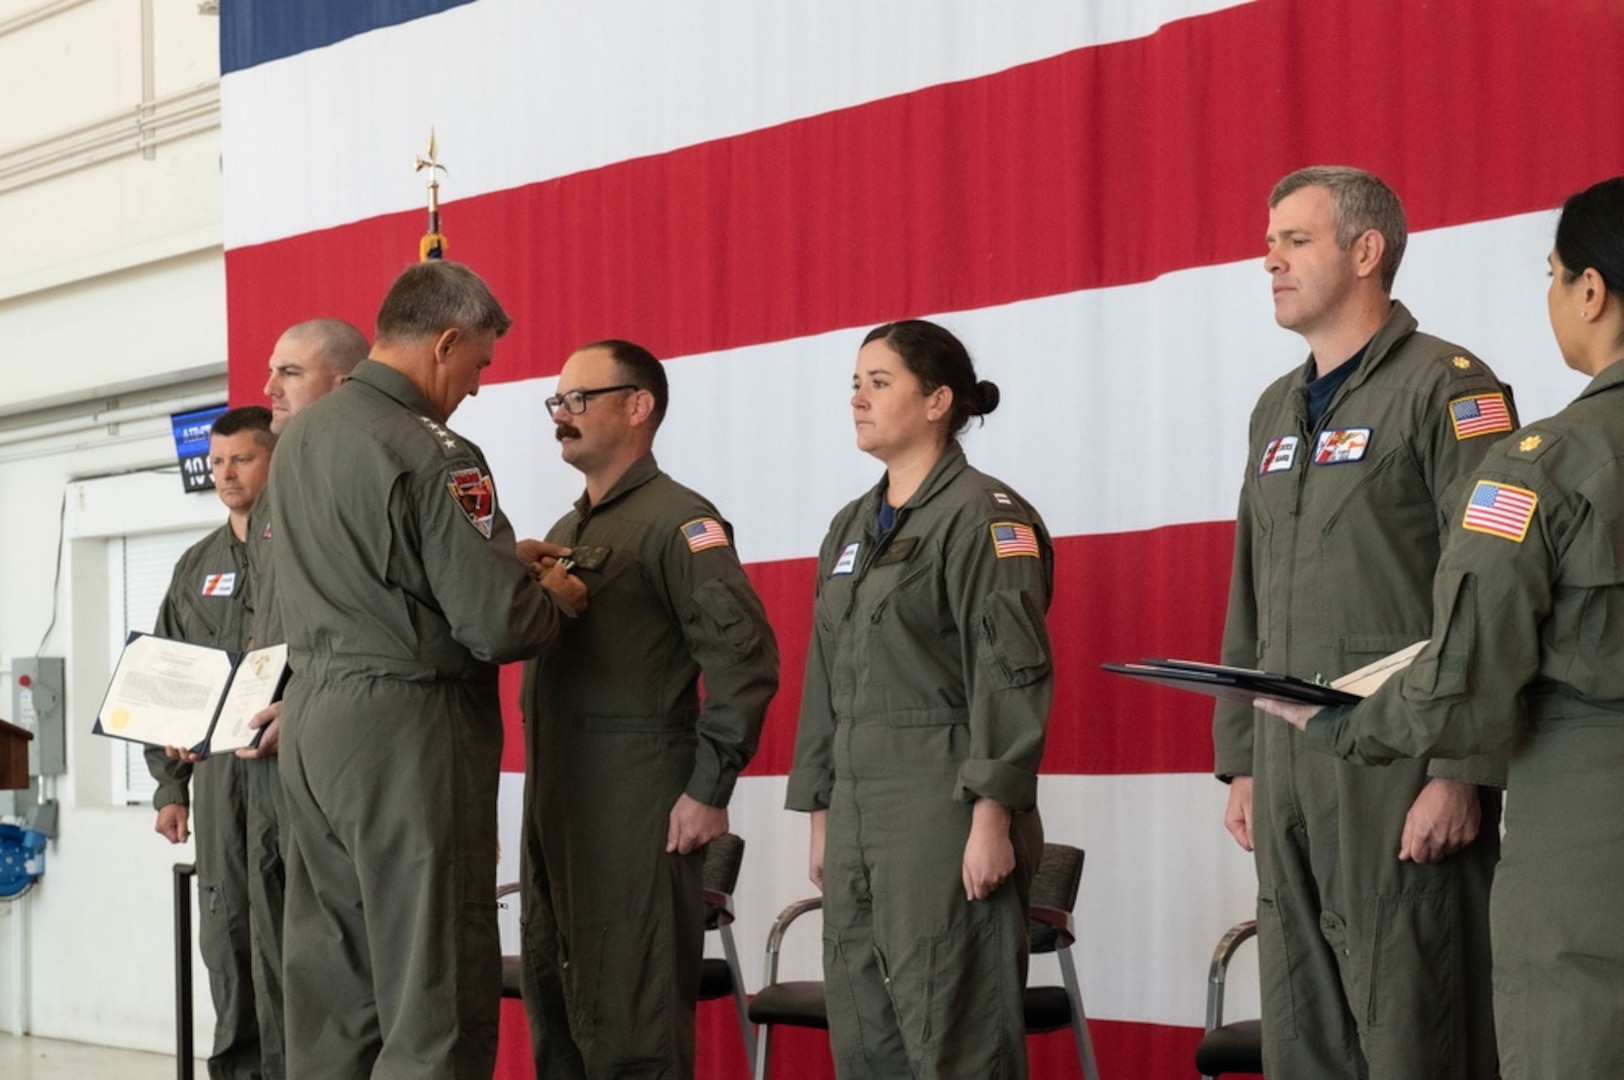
pixel 1500 510
pixel 1479 414
pixel 1011 538
pixel 702 533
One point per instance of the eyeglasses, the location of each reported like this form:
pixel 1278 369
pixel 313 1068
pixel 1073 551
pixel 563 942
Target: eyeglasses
pixel 574 402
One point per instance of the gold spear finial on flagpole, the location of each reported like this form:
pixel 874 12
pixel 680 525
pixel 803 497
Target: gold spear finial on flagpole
pixel 433 244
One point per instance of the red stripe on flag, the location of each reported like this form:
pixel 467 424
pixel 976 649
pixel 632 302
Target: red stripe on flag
pixel 1156 593
pixel 1102 166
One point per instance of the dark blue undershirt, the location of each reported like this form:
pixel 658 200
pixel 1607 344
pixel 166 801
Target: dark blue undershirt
pixel 888 518
pixel 1324 388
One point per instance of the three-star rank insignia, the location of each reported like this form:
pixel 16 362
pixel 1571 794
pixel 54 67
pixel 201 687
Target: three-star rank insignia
pixel 475 496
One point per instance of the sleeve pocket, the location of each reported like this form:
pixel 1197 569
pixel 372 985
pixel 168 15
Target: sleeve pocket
pixel 725 619
pixel 1015 641
pixel 1442 668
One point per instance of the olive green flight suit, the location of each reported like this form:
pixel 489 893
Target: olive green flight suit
pixel 234 827
pixel 266 618
pixel 928 685
pixel 400 592
pixel 265 854
pixel 1527 652
pixel 615 733
pixel 1371 967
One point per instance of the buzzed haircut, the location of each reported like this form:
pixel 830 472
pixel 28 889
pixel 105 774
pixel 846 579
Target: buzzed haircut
pixel 429 298
pixel 639 367
pixel 255 418
pixel 1360 201
pixel 340 345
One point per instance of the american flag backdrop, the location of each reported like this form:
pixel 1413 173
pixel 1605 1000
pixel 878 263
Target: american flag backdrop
pixel 1075 187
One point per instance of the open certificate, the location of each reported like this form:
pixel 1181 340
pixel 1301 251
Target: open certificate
pixel 169 693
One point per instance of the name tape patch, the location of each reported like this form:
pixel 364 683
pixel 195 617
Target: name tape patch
pixel 219 584
pixel 1278 456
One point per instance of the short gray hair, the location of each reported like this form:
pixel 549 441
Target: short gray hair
pixel 431 297
pixel 1360 201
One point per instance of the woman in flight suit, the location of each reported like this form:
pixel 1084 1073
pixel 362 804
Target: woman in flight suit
pixel 1527 652
pixel 928 684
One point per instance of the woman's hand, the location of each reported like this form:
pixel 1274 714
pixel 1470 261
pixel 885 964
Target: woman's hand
pixel 1295 715
pixel 814 862
pixel 989 857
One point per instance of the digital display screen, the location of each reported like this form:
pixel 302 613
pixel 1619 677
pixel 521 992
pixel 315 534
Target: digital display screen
pixel 192 445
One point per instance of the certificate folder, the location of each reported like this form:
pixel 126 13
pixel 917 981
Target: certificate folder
pixel 1232 682
pixel 1247 684
pixel 170 693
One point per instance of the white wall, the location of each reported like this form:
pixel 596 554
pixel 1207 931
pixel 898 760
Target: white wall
pixel 112 300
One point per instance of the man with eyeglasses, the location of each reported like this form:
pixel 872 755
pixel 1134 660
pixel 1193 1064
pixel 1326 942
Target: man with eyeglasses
pixel 627 774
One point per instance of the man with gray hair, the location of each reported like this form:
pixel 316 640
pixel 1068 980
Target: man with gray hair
pixel 401 592
pixel 1373 884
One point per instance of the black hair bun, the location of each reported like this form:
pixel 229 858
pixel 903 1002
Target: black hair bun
pixel 986 398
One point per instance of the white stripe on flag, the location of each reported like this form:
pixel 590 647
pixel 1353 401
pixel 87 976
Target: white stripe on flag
pixel 520 91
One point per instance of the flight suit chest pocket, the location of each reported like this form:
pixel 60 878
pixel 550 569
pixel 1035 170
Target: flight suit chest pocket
pixel 212 612
pixel 833 599
pixel 896 590
pixel 1389 489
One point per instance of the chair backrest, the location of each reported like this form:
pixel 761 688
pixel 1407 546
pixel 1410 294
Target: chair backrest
pixel 1054 885
pixel 722 858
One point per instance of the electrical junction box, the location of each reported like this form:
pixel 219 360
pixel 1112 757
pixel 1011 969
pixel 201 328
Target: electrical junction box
pixel 37 704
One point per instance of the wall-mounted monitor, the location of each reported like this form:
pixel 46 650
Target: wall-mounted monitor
pixel 192 445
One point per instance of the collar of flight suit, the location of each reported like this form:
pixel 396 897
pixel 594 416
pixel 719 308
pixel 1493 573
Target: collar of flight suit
pixel 1398 325
pixel 1605 379
pixel 949 465
pixel 639 473
pixel 395 384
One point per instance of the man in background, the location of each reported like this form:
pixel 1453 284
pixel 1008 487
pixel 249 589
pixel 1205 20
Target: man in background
pixel 239 869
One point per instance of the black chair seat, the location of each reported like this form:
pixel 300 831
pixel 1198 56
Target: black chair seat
pixel 715 979
pixel 1232 1048
pixel 1047 1009
pixel 797 1003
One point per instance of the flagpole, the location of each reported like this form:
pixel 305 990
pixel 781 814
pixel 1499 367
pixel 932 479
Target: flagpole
pixel 433 244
